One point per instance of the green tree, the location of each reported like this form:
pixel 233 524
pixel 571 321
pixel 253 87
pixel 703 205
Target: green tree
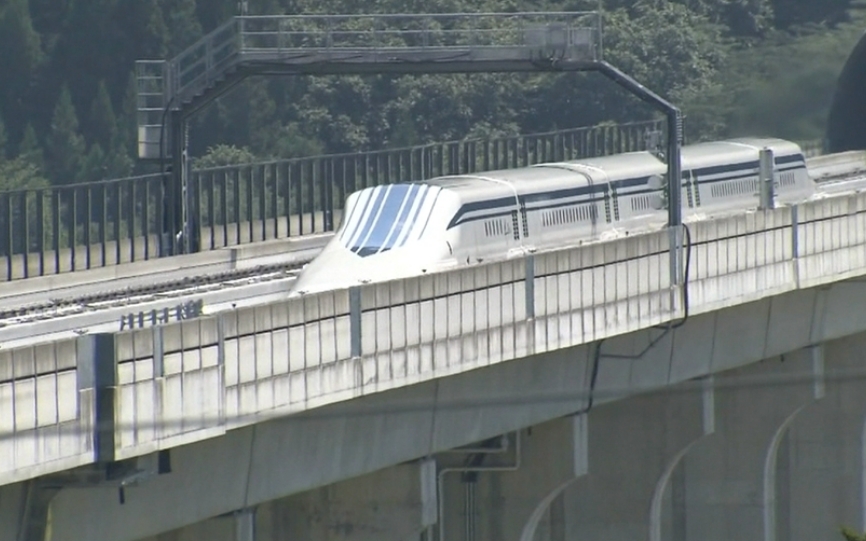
pixel 128 120
pixel 118 164
pixel 292 142
pixel 791 13
pixel 18 174
pixel 86 52
pixel 29 149
pixel 21 57
pixel 737 17
pixel 4 140
pixel 806 67
pixel 222 155
pixel 264 123
pixel 94 166
pixel 65 146
pixel 851 535
pixel 182 24
pixel 145 34
pixel 103 124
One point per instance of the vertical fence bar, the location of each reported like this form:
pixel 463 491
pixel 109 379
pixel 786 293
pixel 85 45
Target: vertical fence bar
pixel 88 212
pixel 103 224
pixel 287 199
pixel 210 207
pixel 145 219
pixel 328 175
pixel 311 193
pixel 40 229
pixel 275 198
pixel 236 207
pixel 25 233
pixel 224 206
pixel 131 204
pixel 248 181
pixel 6 232
pixel 55 227
pixel 118 213
pixel 263 194
pixel 73 231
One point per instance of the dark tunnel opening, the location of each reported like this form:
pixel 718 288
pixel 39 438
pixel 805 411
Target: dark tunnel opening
pixel 846 123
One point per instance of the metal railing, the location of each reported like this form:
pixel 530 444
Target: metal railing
pixel 75 227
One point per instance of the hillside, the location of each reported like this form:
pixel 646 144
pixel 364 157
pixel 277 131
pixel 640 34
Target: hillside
pixel 67 107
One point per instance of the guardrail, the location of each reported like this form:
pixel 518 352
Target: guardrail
pixel 98 224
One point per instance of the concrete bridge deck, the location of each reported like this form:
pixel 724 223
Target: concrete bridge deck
pixel 776 280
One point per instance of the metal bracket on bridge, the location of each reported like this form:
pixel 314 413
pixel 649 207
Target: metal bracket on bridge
pixel 530 286
pixel 154 318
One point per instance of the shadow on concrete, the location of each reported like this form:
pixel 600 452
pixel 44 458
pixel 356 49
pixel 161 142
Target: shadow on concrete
pixel 846 124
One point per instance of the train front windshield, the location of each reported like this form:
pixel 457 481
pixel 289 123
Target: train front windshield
pixel 385 217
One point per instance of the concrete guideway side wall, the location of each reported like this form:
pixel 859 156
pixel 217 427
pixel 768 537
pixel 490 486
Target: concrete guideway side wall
pixel 47 410
pixel 295 250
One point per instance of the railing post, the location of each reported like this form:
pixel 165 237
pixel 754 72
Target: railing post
pixel 529 286
pixel 766 180
pixel 97 366
pixel 355 320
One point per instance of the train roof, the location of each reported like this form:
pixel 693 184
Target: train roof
pixel 550 176
pixel 628 166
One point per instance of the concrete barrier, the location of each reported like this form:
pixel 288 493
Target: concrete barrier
pixel 47 409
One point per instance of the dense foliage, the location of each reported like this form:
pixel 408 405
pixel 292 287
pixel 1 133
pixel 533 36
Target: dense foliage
pixel 67 102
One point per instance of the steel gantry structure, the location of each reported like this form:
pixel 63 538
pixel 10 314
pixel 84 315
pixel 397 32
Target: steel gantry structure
pixel 171 91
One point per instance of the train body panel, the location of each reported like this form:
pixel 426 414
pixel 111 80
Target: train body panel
pixel 401 230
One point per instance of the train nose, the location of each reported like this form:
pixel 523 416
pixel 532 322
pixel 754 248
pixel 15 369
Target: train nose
pixel 334 268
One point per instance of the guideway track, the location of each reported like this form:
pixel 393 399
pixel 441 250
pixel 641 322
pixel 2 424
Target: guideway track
pixel 141 296
pixel 154 276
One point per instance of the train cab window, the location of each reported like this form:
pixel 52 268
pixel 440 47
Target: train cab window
pixel 386 217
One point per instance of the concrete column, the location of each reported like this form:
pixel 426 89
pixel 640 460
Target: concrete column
pixel 635 446
pixel 731 481
pixel 826 452
pixel 12 508
pixel 580 433
pixel 245 525
pixel 381 506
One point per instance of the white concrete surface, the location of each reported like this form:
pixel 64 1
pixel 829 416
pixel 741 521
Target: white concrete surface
pixel 47 411
pixel 270 460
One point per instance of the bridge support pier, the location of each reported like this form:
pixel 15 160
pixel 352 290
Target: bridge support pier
pixel 245 525
pixel 732 484
pixel 507 495
pixel 632 461
pixel 825 452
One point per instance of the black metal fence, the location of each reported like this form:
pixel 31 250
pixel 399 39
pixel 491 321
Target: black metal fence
pixel 75 227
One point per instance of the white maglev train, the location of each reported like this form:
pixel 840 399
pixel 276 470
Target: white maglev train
pixel 407 229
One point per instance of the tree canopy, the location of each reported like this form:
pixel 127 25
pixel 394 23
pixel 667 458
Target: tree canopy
pixel 736 67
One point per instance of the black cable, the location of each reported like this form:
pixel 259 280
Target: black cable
pixel 685 279
pixel 667 328
pixel 596 361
